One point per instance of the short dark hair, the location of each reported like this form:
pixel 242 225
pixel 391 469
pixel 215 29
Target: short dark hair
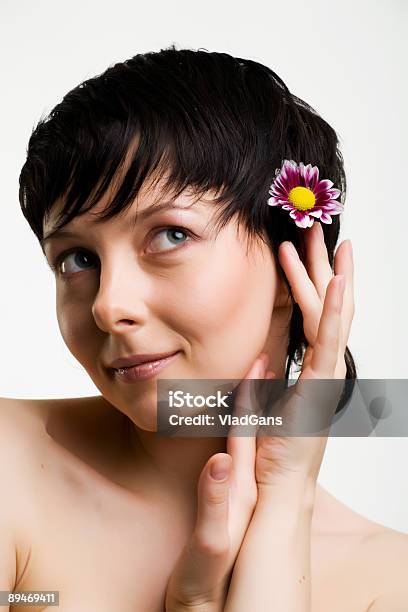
pixel 209 121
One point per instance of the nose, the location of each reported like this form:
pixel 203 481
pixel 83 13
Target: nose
pixel 121 299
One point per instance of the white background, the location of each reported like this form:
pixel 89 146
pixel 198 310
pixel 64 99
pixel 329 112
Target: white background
pixel 348 59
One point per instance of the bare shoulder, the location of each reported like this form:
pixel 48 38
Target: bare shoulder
pixel 386 554
pixel 40 437
pixel 23 447
pixel 19 424
pixel 35 412
pixel 18 458
pixel 373 556
pixel 32 421
pixel 28 430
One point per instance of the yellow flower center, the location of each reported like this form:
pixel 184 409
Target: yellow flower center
pixel 302 198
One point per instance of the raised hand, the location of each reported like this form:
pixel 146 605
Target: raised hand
pixel 327 306
pixel 272 571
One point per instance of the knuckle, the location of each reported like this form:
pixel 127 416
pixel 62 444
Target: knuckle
pixel 217 496
pixel 211 546
pixel 189 602
pixel 265 463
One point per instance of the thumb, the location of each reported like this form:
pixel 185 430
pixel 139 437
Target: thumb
pixel 211 531
pixel 200 575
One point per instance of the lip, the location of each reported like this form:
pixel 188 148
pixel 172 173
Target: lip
pixel 132 360
pixel 145 370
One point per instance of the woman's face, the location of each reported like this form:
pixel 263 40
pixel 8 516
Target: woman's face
pixel 162 283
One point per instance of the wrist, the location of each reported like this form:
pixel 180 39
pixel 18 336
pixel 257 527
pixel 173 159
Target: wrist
pixel 297 493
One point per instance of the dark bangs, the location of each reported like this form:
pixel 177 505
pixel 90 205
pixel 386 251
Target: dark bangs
pixel 206 121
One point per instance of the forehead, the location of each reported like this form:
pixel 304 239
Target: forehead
pixel 151 200
pixel 152 197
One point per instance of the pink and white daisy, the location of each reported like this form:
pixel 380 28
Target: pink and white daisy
pixel 297 188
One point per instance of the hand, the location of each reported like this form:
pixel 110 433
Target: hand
pixel 272 570
pixel 227 495
pixel 327 317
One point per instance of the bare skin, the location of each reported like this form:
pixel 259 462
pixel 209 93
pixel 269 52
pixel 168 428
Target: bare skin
pixel 110 510
pixel 108 541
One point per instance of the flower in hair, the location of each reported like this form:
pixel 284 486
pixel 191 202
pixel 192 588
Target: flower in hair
pixel 298 189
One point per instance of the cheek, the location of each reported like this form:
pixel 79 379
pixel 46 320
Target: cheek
pixel 223 307
pixel 74 321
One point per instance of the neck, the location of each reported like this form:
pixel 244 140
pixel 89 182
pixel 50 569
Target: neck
pixel 175 463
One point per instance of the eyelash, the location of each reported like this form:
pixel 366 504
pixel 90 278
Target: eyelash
pixel 57 261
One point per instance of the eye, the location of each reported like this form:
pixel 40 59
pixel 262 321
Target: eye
pixel 170 235
pixel 66 262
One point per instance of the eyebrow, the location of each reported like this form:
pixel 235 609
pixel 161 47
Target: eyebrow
pixel 139 216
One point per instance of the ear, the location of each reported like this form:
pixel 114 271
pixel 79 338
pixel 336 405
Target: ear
pixel 276 342
pixel 282 298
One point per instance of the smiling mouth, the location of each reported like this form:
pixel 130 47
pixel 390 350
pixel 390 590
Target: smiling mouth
pixel 144 370
pixel 141 363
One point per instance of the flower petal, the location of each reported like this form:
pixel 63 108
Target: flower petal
pixel 326 218
pixel 303 222
pixel 303 172
pixel 313 177
pixel 292 172
pixel 333 206
pixel 281 183
pixel 323 185
pixel 334 193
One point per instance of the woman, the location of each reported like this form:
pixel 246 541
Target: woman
pixel 187 144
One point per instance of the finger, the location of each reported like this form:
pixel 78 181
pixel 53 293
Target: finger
pixel 325 349
pixel 302 287
pixel 243 448
pixel 344 266
pixel 212 511
pixel 317 259
pixel 343 263
pixel 200 575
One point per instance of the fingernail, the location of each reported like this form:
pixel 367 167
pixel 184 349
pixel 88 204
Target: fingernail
pixel 220 469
